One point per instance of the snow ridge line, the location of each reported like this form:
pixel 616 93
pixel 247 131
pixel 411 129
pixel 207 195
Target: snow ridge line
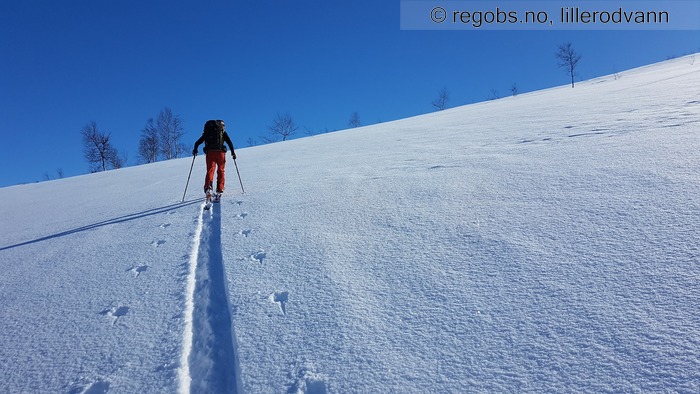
pixel 209 359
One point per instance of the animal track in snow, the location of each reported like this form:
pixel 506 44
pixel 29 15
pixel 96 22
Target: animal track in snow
pixel 137 270
pixel 115 313
pixel 258 256
pixel 281 298
pixel 306 381
pixel 157 243
pixel 97 387
pixel 245 233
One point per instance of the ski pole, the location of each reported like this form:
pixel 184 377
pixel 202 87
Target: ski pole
pixel 239 175
pixel 188 178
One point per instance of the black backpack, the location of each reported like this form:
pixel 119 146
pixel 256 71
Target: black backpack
pixel 214 134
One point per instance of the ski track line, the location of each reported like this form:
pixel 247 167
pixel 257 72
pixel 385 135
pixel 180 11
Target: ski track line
pixel 208 362
pixel 184 371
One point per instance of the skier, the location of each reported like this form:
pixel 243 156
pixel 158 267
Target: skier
pixel 214 136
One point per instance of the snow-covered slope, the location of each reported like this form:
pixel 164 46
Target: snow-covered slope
pixel 541 243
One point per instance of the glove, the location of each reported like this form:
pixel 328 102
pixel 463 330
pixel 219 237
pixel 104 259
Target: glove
pixel 233 154
pixel 194 152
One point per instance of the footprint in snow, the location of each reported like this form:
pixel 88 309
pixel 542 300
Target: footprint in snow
pixel 280 298
pixel 115 313
pixel 242 215
pixel 98 387
pixel 137 270
pixel 307 381
pixel 245 233
pixel 258 256
pixel 157 243
pixel 165 225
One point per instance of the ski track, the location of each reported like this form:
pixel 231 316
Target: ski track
pixel 208 362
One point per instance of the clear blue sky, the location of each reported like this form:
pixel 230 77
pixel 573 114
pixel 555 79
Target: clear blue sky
pixel 66 63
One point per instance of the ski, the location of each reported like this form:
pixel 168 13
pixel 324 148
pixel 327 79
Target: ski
pixel 208 200
pixel 211 198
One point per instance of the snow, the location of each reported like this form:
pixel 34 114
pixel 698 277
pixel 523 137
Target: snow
pixel 546 242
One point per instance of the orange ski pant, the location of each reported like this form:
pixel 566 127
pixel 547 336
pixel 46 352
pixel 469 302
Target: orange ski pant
pixel 216 161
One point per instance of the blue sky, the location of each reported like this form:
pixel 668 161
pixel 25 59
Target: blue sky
pixel 66 63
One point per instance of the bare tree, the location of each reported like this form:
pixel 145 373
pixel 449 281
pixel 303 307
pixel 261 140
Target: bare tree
pixel 309 131
pixel 440 102
pixel 59 175
pixel 269 139
pixel 494 95
pixel 283 126
pixel 251 141
pixel 354 120
pixel 568 59
pixel 97 148
pixel 148 144
pixel 514 89
pixel 119 161
pixel 170 133
pixel 616 74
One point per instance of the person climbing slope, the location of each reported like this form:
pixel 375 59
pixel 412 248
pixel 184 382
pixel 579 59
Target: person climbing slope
pixel 214 136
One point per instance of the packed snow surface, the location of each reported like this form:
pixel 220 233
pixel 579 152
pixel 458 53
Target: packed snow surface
pixel 547 242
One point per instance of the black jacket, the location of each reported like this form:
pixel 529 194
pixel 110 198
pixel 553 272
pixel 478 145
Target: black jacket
pixel 221 147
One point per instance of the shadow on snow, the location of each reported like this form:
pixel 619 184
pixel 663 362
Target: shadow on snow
pixel 213 367
pixel 121 219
